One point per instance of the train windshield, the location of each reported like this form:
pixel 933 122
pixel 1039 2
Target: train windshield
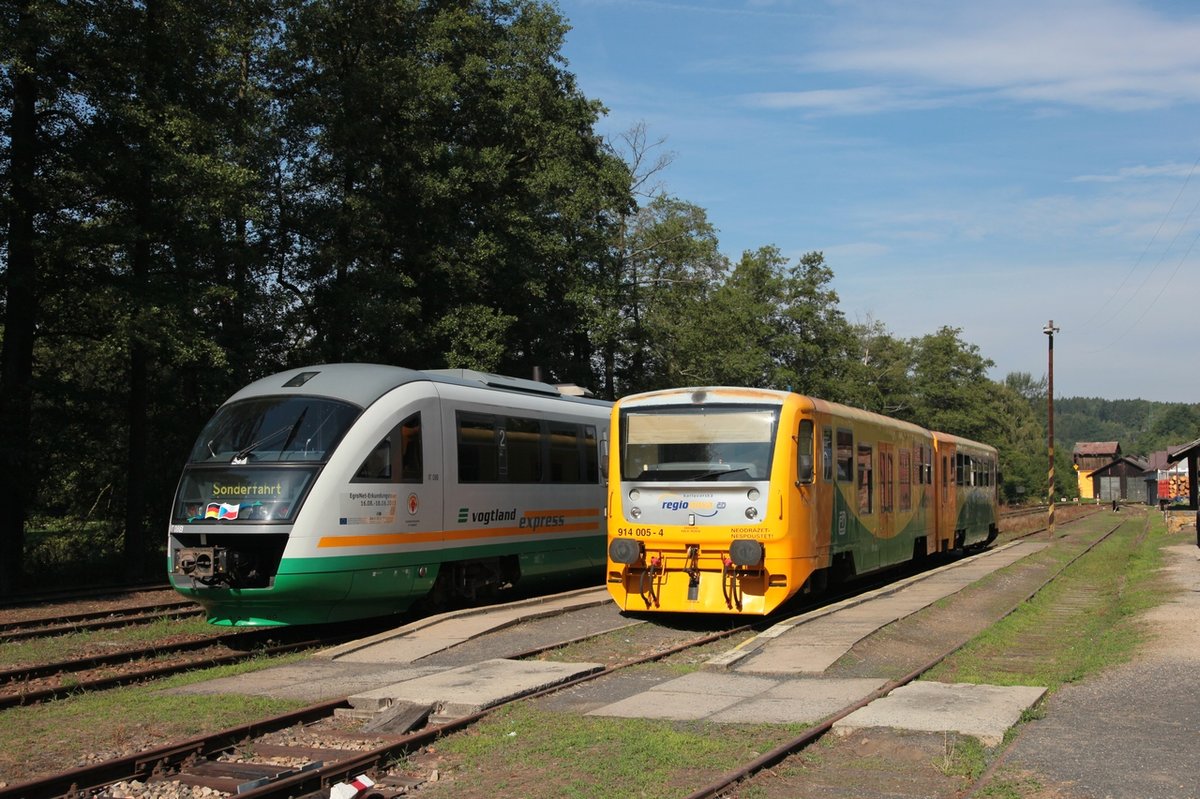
pixel 231 494
pixel 273 429
pixel 698 443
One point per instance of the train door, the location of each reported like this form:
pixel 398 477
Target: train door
pixel 946 488
pixel 887 505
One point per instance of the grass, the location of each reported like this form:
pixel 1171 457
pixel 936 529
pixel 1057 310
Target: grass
pixel 43 738
pixel 508 755
pixel 1084 622
pixel 61 647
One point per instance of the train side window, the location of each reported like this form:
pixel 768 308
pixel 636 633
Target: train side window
pixel 804 452
pixel 412 461
pixel 564 452
pixel 397 457
pixel 845 456
pixel 865 476
pixel 905 479
pixel 377 468
pixel 887 477
pixel 594 457
pixel 827 454
pixel 523 444
pixel 478 449
pixel 958 469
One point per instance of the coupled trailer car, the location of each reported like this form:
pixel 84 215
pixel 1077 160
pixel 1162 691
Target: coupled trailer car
pixel 732 500
pixel 347 491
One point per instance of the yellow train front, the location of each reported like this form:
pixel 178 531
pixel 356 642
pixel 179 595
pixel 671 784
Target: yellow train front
pixel 731 500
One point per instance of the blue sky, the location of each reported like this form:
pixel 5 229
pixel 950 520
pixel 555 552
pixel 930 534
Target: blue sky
pixel 988 166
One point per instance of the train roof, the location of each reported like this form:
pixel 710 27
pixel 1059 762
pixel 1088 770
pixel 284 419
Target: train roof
pixel 961 442
pixel 735 393
pixel 364 383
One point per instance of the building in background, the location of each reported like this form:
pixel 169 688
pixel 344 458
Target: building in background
pixel 1087 457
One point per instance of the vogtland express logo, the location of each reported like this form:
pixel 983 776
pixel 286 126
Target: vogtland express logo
pixel 486 517
pixel 531 520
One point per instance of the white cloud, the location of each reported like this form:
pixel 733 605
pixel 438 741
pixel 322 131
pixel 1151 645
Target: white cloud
pixel 1108 55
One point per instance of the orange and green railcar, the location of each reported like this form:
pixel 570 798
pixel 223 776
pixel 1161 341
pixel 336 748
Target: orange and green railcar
pixel 731 500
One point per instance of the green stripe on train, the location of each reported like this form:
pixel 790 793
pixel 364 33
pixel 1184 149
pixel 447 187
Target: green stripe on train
pixel 337 588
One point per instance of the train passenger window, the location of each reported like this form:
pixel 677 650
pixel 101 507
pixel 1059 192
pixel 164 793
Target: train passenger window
pixel 524 450
pixel 377 468
pixel 412 461
pixel 478 449
pixel 804 452
pixel 958 469
pixel 827 453
pixel 591 455
pixel 887 485
pixel 905 479
pixel 845 455
pixel 865 486
pixel 397 457
pixel 564 452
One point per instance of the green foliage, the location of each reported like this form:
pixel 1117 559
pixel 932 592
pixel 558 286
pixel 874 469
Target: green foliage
pixel 1141 427
pixel 212 192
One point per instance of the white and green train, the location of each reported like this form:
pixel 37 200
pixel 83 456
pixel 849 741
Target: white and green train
pixel 346 491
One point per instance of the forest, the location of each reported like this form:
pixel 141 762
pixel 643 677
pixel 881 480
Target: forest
pixel 199 194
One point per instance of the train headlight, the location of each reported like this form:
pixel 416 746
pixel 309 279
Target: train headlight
pixel 635 512
pixel 625 550
pixel 746 553
pixel 752 495
pixel 634 495
pixel 751 512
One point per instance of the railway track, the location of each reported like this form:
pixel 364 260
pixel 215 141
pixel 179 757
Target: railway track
pixel 24 629
pixel 334 753
pixel 219 761
pixel 81 594
pixel 26 685
pixel 821 728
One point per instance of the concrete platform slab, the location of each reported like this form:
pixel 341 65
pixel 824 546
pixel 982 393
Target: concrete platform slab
pixel 311 681
pixel 737 698
pixel 983 711
pixel 812 642
pixel 469 689
pixel 433 634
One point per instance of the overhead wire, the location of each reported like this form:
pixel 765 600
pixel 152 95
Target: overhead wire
pixel 1146 280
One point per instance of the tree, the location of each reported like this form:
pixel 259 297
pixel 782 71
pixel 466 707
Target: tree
pixel 950 387
pixel 776 325
pixel 672 266
pixel 878 372
pixel 439 158
pixel 40 41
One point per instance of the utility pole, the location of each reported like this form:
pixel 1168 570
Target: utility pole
pixel 1050 330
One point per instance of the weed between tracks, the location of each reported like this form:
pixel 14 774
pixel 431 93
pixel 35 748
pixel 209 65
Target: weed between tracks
pixel 523 751
pixel 98 642
pixel 50 737
pixel 1085 621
